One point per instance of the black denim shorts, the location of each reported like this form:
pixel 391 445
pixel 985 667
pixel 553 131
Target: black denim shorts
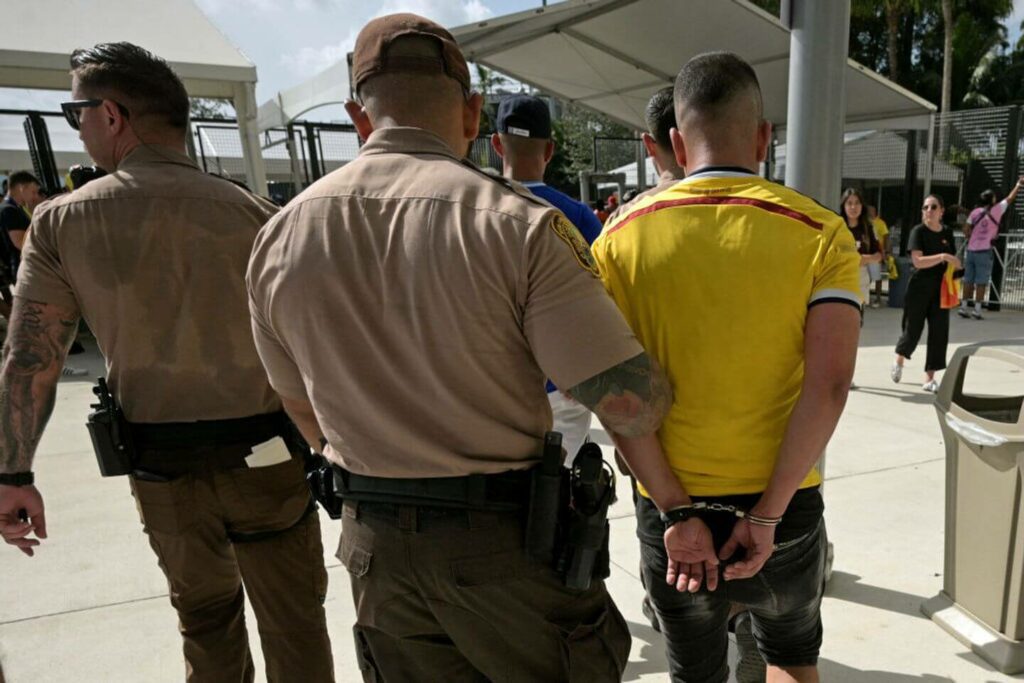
pixel 784 600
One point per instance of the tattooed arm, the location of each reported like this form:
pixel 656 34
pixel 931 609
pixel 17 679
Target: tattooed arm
pixel 38 339
pixel 631 399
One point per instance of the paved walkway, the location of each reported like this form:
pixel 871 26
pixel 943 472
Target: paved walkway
pixel 91 606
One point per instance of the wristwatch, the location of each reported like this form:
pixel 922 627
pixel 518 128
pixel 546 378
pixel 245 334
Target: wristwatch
pixel 680 514
pixel 17 479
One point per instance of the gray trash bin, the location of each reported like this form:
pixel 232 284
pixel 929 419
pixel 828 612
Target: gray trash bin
pixel 982 599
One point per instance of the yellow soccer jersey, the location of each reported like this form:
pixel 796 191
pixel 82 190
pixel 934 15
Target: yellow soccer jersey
pixel 715 275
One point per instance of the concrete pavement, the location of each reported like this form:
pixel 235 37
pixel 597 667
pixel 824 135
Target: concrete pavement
pixel 92 606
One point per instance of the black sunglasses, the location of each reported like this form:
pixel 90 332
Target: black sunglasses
pixel 73 110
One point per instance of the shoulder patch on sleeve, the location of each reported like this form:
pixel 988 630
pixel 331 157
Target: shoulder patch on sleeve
pixel 571 236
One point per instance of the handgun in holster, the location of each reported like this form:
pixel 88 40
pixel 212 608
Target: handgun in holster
pixel 567 526
pixel 585 555
pixel 320 478
pixel 110 433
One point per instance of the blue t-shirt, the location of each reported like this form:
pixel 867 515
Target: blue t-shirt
pixel 577 212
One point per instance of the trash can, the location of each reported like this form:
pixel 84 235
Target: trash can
pixel 898 287
pixel 982 599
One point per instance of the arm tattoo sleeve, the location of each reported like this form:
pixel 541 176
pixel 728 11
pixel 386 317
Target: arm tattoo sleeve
pixel 630 399
pixel 38 338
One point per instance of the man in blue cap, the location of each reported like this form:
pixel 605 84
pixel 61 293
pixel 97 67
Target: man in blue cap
pixel 524 143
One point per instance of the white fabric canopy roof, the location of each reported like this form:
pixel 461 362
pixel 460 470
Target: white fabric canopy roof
pixel 330 86
pixel 611 55
pixel 35 50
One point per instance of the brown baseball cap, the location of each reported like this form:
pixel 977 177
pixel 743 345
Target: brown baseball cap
pixel 370 56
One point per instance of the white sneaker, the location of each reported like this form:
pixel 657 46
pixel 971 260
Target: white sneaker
pixel 896 372
pixel 931 386
pixel 70 371
pixel 962 312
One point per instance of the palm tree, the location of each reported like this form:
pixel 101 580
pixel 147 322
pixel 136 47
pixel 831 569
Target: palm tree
pixel 947 54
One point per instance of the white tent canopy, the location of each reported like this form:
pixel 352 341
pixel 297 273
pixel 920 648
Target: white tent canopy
pixel 330 86
pixel 176 30
pixel 612 55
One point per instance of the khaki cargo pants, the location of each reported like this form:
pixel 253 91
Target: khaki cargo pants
pixel 450 595
pixel 208 528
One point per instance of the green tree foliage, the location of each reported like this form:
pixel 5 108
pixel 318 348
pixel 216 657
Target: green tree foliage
pixel 574 134
pixel 209 108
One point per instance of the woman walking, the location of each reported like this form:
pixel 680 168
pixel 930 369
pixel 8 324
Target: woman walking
pixel 853 210
pixel 931 247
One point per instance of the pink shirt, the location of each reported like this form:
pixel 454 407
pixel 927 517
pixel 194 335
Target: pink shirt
pixel 985 228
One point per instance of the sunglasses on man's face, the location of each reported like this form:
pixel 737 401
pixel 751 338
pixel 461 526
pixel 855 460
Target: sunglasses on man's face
pixel 930 207
pixel 73 110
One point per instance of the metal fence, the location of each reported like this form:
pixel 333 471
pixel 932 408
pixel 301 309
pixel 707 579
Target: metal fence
pixel 985 145
pixel 971 150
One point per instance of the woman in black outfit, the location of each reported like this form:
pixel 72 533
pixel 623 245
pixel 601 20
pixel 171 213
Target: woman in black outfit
pixel 931 247
pixel 854 210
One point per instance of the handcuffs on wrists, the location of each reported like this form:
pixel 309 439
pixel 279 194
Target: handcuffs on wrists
pixel 683 513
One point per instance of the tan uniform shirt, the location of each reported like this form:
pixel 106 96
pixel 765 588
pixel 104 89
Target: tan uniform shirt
pixel 419 304
pixel 665 181
pixel 153 256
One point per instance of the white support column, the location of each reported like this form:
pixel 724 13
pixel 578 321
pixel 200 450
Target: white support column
pixel 248 131
pixel 819 41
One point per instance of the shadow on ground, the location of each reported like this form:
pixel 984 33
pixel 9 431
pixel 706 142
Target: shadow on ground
pixel 834 671
pixel 844 586
pixel 652 656
pixel 915 395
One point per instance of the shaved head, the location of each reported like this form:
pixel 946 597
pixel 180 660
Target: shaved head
pixel 716 92
pixel 719 114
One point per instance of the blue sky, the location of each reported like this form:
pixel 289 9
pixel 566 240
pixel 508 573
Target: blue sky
pixel 1013 23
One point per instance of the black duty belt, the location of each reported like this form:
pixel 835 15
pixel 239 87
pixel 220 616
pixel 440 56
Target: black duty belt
pixel 243 430
pixel 503 491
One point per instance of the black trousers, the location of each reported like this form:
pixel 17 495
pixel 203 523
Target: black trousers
pixel 922 304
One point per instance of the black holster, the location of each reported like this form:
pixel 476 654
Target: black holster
pixel 567 526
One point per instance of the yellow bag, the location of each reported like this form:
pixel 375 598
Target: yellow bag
pixel 894 272
pixel 949 296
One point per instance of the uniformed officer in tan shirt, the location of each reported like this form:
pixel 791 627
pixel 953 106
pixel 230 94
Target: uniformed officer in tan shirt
pixel 153 256
pixel 408 308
